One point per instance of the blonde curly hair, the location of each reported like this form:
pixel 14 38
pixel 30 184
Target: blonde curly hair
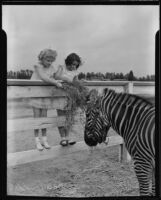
pixel 47 53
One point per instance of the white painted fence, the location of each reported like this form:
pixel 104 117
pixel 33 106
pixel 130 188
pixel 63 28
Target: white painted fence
pixel 21 89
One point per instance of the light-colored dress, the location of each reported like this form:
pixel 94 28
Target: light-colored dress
pixel 49 71
pixel 42 102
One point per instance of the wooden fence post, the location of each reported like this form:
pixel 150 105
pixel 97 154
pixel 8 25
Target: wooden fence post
pixel 129 87
pixel 124 156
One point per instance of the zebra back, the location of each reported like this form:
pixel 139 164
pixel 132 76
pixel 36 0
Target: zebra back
pixel 130 116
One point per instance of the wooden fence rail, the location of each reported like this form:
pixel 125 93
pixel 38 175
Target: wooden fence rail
pixel 24 89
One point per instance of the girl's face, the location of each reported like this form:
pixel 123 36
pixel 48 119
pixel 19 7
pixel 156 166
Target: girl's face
pixel 48 61
pixel 73 66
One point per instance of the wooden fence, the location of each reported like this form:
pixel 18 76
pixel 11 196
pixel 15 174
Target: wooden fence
pixel 23 89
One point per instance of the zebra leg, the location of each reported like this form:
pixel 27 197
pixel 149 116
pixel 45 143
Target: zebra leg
pixel 153 182
pixel 142 173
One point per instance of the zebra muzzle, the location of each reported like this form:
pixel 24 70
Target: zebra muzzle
pixel 106 142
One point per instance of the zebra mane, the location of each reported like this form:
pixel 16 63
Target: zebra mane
pixel 114 93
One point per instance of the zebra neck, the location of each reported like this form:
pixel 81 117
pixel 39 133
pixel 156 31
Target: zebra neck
pixel 123 109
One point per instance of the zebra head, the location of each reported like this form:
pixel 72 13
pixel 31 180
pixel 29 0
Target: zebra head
pixel 96 127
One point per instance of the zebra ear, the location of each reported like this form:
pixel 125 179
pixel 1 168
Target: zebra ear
pixel 108 91
pixel 105 91
pixel 98 101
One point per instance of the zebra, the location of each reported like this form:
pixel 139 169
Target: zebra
pixel 133 118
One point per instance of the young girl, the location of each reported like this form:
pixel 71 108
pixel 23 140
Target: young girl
pixel 67 73
pixel 43 70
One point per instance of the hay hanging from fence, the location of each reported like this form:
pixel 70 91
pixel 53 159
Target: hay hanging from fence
pixel 76 98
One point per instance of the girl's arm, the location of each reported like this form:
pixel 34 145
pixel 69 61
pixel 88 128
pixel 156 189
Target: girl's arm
pixel 45 78
pixel 66 78
pixel 75 78
pixel 59 72
pixel 62 76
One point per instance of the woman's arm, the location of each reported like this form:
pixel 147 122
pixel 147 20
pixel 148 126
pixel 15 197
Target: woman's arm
pixel 45 78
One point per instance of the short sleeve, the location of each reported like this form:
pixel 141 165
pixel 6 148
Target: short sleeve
pixel 35 75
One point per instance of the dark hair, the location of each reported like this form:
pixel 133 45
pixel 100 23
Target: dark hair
pixel 71 58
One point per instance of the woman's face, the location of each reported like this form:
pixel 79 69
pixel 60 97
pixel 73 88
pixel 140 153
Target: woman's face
pixel 73 66
pixel 48 61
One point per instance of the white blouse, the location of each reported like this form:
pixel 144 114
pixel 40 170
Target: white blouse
pixel 69 74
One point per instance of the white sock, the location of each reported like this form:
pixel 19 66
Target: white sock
pixel 37 139
pixel 44 138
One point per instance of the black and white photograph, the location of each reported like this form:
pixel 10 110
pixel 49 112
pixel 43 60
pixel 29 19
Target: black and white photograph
pixel 81 100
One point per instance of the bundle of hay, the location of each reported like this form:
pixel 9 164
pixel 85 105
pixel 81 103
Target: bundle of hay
pixel 76 98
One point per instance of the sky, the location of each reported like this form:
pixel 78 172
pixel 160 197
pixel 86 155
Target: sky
pixel 108 38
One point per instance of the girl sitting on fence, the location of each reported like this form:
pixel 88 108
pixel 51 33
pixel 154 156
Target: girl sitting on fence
pixel 43 70
pixel 69 74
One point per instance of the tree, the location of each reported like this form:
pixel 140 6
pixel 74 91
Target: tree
pixel 112 76
pixel 148 78
pixel 88 76
pixel 81 75
pixel 121 76
pixel 131 76
pixel 152 77
pixel 107 75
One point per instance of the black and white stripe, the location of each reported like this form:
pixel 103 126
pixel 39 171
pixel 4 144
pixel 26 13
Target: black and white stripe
pixel 133 118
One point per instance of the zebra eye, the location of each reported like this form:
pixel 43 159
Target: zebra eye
pixel 87 115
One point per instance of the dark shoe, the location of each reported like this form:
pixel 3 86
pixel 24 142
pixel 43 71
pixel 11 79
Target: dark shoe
pixel 45 143
pixel 71 142
pixel 64 143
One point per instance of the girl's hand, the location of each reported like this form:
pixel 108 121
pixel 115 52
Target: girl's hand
pixel 75 79
pixel 58 84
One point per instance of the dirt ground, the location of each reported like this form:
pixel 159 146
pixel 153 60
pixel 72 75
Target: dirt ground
pixel 82 174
